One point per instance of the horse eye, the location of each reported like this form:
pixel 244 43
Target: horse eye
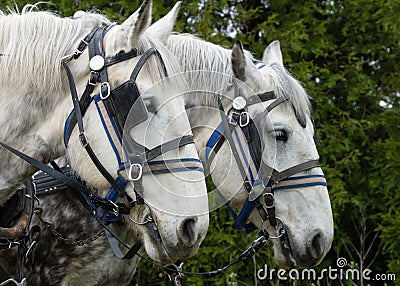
pixel 280 135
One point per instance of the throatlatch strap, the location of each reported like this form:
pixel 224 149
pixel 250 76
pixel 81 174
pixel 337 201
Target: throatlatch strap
pixel 71 121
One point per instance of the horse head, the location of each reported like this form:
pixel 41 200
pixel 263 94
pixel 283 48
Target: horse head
pixel 288 158
pixel 111 71
pixel 175 213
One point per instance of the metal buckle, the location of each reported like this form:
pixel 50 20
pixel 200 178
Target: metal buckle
pixel 83 139
pixel 78 52
pixel 271 196
pixel 93 78
pixel 115 209
pixel 232 120
pixel 81 47
pixel 248 186
pixel 241 124
pixel 139 174
pixel 104 85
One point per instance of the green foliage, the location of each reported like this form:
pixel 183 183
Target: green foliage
pixel 346 53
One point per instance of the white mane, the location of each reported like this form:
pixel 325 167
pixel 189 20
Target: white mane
pixel 197 54
pixel 159 68
pixel 33 44
pixel 33 83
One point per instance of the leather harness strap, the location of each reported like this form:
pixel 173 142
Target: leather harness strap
pixel 116 110
pixel 82 137
pixel 168 146
pixel 279 176
pixel 67 180
pixel 276 180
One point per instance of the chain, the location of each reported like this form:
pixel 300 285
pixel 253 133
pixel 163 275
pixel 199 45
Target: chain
pixel 38 212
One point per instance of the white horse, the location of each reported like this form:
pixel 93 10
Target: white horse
pixel 35 102
pixel 286 133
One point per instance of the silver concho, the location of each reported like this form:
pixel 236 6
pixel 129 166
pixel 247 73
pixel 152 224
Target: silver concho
pixel 239 103
pixel 96 63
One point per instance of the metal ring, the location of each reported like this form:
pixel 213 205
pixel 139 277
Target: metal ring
pixel 281 233
pixel 107 94
pixel 247 119
pixel 148 220
pixel 139 174
pixel 280 223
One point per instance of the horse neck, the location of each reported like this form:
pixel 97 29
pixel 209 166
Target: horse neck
pixel 202 62
pixel 204 116
pixel 32 122
pixel 198 58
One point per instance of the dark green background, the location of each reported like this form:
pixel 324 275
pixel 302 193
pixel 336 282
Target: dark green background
pixel 346 54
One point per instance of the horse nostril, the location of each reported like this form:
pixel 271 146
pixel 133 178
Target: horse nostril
pixel 316 247
pixel 188 234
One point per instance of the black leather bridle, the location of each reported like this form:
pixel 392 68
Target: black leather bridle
pixel 240 131
pixel 117 103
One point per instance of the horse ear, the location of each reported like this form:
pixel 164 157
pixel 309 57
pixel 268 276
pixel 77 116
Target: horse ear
pixel 273 54
pixel 139 21
pixel 238 61
pixel 163 27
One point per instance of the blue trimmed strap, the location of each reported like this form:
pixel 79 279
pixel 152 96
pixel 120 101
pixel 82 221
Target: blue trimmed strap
pixel 214 138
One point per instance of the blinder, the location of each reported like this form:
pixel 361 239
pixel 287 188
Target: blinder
pixel 120 102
